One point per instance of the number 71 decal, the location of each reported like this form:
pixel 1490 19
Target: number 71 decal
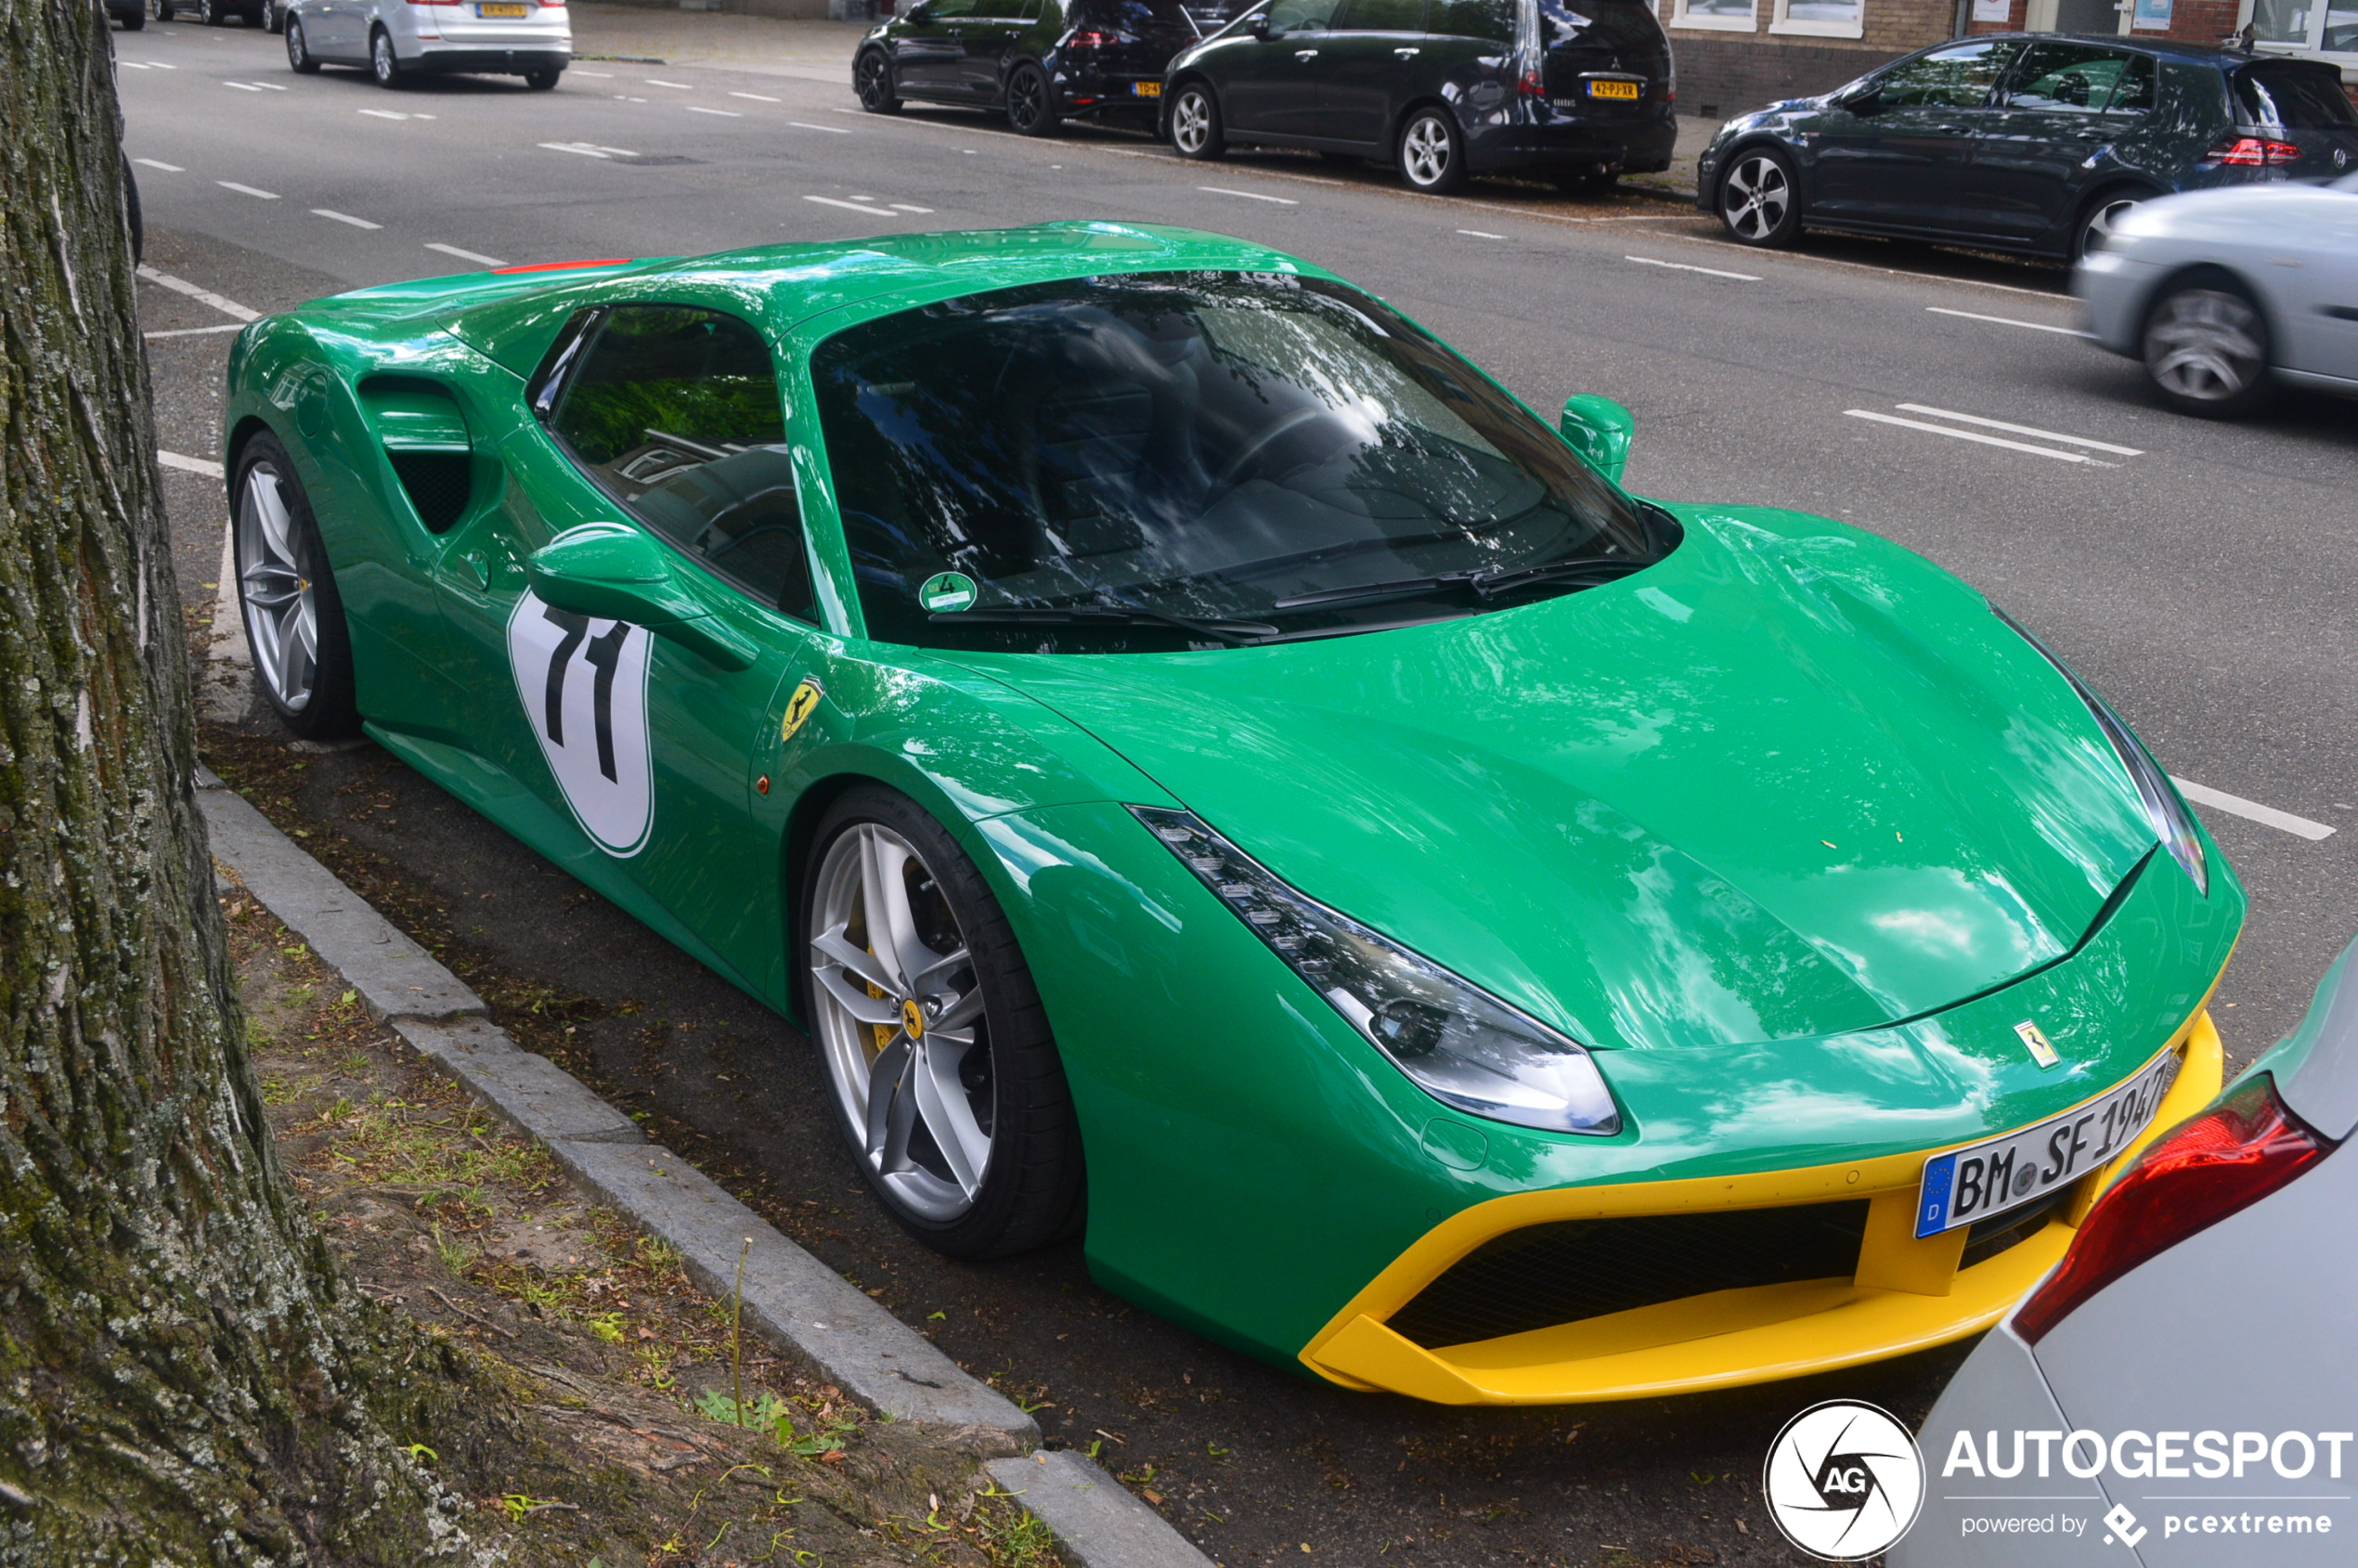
pixel 583 684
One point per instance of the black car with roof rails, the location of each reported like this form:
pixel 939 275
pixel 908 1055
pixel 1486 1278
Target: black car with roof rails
pixel 1445 89
pixel 2032 142
pixel 1041 62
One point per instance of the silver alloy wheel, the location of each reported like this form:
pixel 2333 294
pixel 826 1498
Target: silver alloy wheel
pixel 383 62
pixel 1191 121
pixel 1425 151
pixel 2206 344
pixel 1754 196
pixel 282 616
pixel 2098 231
pixel 900 1011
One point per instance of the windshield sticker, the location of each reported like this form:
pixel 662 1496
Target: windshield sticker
pixel 947 593
pixel 583 683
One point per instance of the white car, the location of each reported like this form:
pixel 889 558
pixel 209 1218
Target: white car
pixel 2226 293
pixel 400 39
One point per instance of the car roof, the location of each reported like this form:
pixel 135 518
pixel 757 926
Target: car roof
pixel 2209 53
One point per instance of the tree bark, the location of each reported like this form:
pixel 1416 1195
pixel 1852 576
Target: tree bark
pixel 182 1363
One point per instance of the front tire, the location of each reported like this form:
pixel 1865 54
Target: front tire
pixel 947 1083
pixel 299 55
pixel 287 594
pixel 872 79
pixel 1431 153
pixel 1761 200
pixel 2206 347
pixel 541 81
pixel 1031 109
pixel 1195 129
pixel 383 64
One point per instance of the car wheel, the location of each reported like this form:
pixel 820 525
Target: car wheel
pixel 947 1083
pixel 299 55
pixel 209 13
pixel 2095 225
pixel 293 616
pixel 137 21
pixel 1196 130
pixel 1759 199
pixel 2207 348
pixel 165 10
pixel 541 81
pixel 872 79
pixel 1432 155
pixel 273 19
pixel 1029 109
pixel 383 64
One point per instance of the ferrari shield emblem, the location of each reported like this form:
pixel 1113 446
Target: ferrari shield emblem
pixel 2036 1042
pixel 799 707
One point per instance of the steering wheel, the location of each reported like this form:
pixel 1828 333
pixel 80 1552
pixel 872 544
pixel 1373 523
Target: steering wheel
pixel 1269 438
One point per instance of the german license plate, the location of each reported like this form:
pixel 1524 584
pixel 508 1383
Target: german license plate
pixel 1146 89
pixel 1625 90
pixel 503 10
pixel 1997 1174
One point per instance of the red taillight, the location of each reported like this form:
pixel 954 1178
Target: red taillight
pixel 562 266
pixel 1531 86
pixel 2231 1156
pixel 1094 40
pixel 434 2
pixel 2254 152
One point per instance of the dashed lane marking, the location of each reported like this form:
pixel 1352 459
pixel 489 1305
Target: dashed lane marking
pixel 191 465
pixel 852 206
pixel 1689 267
pixel 202 296
pixel 343 217
pixel 654 82
pixel 907 207
pixel 1480 234
pixel 758 97
pixel 724 114
pixel 806 125
pixel 243 86
pixel 2022 430
pixel 247 190
pixel 2010 321
pixel 475 256
pixel 153 164
pixel 1250 195
pixel 1973 435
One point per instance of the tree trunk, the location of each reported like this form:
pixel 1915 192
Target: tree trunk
pixel 181 1361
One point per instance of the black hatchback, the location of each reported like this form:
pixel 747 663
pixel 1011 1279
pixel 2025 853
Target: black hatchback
pixel 1041 62
pixel 2025 141
pixel 1443 88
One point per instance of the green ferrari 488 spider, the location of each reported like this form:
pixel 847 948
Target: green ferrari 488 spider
pixel 1148 708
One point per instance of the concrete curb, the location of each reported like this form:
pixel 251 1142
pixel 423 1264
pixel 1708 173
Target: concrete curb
pixel 790 1297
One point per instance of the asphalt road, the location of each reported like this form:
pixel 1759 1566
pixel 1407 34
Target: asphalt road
pixel 2200 574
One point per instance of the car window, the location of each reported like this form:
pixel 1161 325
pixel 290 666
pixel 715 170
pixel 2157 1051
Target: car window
pixel 1000 11
pixel 2069 78
pixel 2292 97
pixel 673 410
pixel 1380 16
pixel 946 10
pixel 1299 16
pixel 2132 93
pixel 1959 77
pixel 1490 20
pixel 1142 18
pixel 1207 445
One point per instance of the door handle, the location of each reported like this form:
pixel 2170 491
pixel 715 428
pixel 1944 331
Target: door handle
pixel 1407 53
pixel 1305 54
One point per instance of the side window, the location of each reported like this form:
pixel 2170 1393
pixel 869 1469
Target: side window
pixel 1381 16
pixel 2067 78
pixel 673 410
pixel 1299 16
pixel 2132 93
pixel 1490 20
pixel 948 10
pixel 1959 77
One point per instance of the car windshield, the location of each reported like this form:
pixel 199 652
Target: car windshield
pixel 1106 464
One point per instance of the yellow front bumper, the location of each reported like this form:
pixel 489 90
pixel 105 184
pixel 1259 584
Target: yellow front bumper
pixel 1908 1294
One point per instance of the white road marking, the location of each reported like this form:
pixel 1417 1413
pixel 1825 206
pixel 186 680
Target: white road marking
pixel 851 206
pixel 1684 266
pixel 806 125
pixel 1966 435
pixel 167 168
pixel 464 255
pixel 243 86
pixel 197 331
pixel 343 217
pixel 133 65
pixel 192 465
pixel 2023 430
pixel 601 76
pixel 758 97
pixel 1250 195
pixel 656 81
pixel 725 113
pixel 906 207
pixel 1482 234
pixel 202 296
pixel 571 146
pixel 161 66
pixel 2010 321
pixel 613 151
pixel 247 189
pixel 384 113
pixel 270 86
pixel 2268 815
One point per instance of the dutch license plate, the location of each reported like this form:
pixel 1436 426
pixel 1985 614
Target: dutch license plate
pixel 1146 89
pixel 2005 1173
pixel 503 10
pixel 1628 90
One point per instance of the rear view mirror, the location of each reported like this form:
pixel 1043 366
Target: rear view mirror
pixel 613 572
pixel 1598 429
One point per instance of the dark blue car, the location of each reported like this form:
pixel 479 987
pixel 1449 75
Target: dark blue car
pixel 2026 142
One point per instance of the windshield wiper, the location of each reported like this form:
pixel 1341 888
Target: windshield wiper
pixel 1235 634
pixel 1484 585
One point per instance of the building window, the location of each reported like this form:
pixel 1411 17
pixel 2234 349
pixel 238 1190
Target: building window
pixel 2328 26
pixel 1716 15
pixel 1822 19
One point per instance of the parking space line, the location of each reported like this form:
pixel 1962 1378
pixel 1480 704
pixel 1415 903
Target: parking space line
pixel 198 332
pixel 831 130
pixel 167 168
pixel 2023 430
pixel 189 465
pixel 2267 815
pixel 247 190
pixel 1967 435
pixel 852 206
pixel 202 296
pixel 1250 195
pixel 464 255
pixel 1685 266
pixel 343 217
pixel 2010 321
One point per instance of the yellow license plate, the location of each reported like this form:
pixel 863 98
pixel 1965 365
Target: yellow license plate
pixel 1614 90
pixel 503 10
pixel 1146 89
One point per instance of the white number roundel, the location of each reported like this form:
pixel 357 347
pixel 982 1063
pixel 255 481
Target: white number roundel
pixel 583 683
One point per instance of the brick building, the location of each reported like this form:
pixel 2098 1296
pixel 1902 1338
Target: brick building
pixel 1738 55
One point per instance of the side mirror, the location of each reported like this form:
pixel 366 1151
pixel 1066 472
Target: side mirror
pixel 1598 429
pixel 613 572
pixel 1258 24
pixel 1859 97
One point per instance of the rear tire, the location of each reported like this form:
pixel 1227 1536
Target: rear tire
pixel 273 17
pixel 872 79
pixel 541 81
pixel 1031 108
pixel 1432 154
pixel 1196 130
pixel 210 14
pixel 2206 347
pixel 2093 224
pixel 287 598
pixel 299 55
pixel 136 21
pixel 383 64
pixel 1761 200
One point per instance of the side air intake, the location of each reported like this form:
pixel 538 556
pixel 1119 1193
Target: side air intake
pixel 426 439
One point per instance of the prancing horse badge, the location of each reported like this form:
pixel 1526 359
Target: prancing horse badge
pixel 2037 1043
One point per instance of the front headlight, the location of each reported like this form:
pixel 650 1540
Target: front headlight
pixel 2173 823
pixel 1456 1042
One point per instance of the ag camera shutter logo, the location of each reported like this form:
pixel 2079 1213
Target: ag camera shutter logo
pixel 1844 1480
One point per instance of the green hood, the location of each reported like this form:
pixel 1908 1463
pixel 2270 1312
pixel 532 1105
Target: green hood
pixel 1792 781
